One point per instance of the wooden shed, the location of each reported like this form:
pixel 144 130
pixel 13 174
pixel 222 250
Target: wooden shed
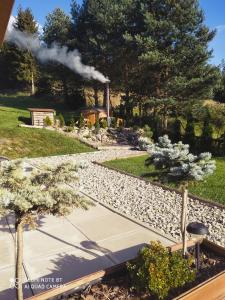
pixel 92 114
pixel 38 115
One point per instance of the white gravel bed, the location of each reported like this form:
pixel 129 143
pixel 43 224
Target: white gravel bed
pixel 156 207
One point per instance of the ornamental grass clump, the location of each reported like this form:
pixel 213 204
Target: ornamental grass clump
pixel 157 271
pixel 29 193
pixel 177 164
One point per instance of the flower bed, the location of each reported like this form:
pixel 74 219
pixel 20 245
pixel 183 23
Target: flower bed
pixel 115 283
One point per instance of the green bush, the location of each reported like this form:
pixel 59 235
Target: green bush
pixel 72 122
pixel 113 122
pixel 81 121
pixel 223 144
pixel 61 120
pixel 120 124
pixel 97 125
pixel 104 123
pixel 69 129
pixel 89 125
pixel 148 133
pixel 136 128
pixel 206 137
pixel 189 137
pixel 176 131
pixel 157 271
pixel 47 121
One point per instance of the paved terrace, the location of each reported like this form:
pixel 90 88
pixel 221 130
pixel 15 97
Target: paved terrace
pixel 84 242
pixel 63 249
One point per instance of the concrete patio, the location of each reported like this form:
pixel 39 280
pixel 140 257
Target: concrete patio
pixel 63 249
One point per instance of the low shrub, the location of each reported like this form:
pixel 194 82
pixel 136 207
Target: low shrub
pixel 69 129
pixel 113 122
pixel 104 123
pixel 157 271
pixel 72 122
pixel 148 132
pixel 47 121
pixel 144 143
pixel 97 126
pixel 121 125
pixel 81 121
pixel 189 137
pixel 136 128
pixel 176 131
pixel 61 120
pixel 206 137
pixel 89 125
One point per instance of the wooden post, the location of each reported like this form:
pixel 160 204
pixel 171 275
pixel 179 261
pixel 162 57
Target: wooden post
pixel 184 218
pixel 107 104
pixel 32 84
pixel 19 260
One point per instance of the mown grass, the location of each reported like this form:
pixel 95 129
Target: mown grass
pixel 212 188
pixel 17 142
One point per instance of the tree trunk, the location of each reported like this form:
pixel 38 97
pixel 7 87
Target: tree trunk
pixel 140 109
pixel 184 219
pixel 96 96
pixel 32 84
pixel 19 260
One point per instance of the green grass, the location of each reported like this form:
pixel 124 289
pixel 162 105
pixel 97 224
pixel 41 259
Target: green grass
pixel 212 188
pixel 17 142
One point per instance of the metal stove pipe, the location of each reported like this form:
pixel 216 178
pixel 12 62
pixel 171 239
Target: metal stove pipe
pixel 107 95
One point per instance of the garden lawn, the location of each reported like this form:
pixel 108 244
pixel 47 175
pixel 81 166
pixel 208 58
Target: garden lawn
pixel 17 142
pixel 212 188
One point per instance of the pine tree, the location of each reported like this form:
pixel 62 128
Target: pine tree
pixel 58 29
pixel 37 194
pixel 172 41
pixel 21 63
pixel 176 163
pixel 100 27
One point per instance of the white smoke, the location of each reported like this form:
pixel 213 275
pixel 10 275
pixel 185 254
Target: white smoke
pixel 71 59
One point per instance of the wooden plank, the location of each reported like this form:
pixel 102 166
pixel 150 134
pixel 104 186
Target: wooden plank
pixel 213 289
pixel 213 247
pixel 179 246
pixel 78 283
pixel 5 12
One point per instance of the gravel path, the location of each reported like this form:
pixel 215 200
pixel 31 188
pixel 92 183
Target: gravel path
pixel 156 207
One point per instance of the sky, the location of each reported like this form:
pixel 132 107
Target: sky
pixel 214 18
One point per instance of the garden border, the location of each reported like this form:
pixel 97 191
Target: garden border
pixel 201 289
pixel 194 197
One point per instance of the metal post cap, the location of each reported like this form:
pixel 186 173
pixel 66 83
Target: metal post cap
pixel 197 228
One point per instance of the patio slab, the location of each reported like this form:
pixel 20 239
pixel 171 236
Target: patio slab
pixel 63 249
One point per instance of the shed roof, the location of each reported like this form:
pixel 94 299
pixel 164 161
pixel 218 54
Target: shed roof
pixel 41 109
pixel 93 110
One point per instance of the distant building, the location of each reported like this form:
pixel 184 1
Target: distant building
pixel 38 115
pixel 92 114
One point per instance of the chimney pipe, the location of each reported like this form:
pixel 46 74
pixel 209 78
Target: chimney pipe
pixel 107 103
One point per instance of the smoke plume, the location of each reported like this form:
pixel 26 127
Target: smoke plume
pixel 71 59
